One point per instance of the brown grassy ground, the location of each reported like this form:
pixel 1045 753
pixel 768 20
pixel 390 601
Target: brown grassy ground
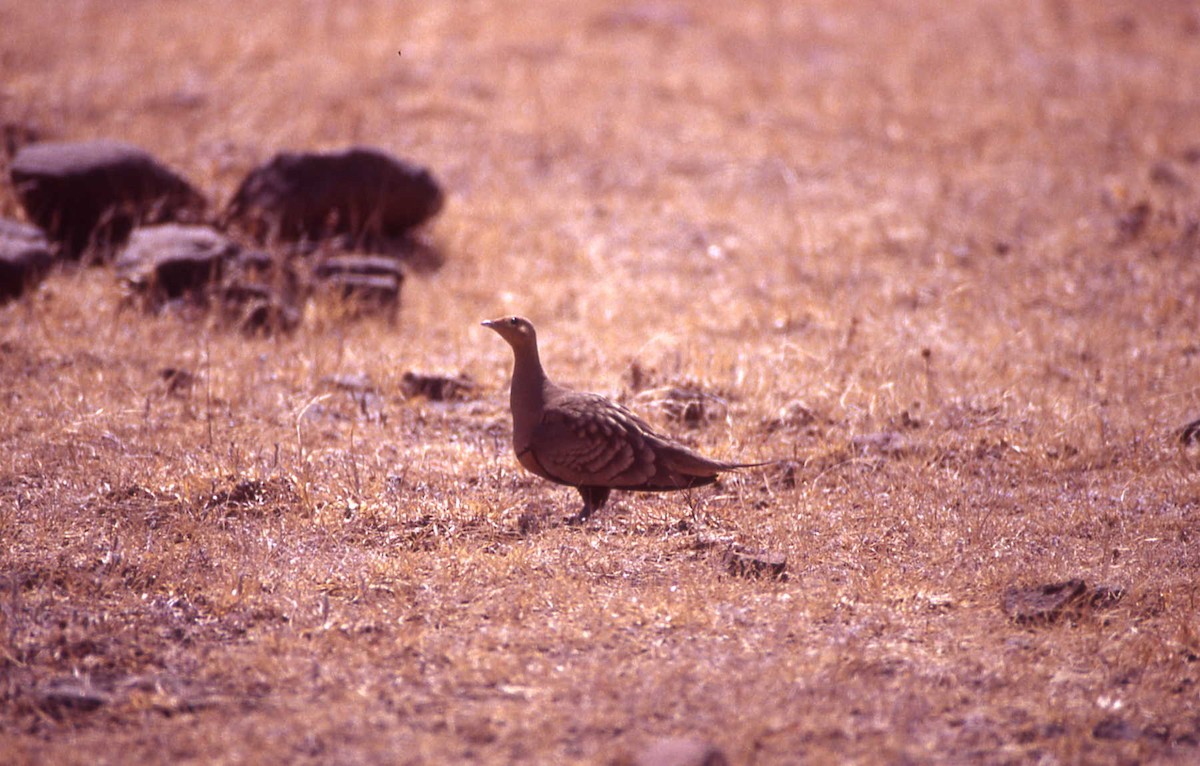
pixel 839 218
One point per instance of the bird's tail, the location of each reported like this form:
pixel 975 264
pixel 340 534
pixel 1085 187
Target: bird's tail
pixel 685 461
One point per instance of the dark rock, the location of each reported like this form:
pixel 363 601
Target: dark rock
pixel 366 265
pixel 172 261
pixel 437 388
pixel 25 258
pixel 1047 603
pixel 89 195
pixel 71 694
pixel 365 193
pixel 1043 603
pixel 177 380
pixel 746 562
pixel 1114 728
pixel 678 751
pixel 1165 174
pixel 1190 435
pixel 1132 223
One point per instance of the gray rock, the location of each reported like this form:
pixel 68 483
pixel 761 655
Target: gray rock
pixel 361 192
pixel 25 258
pixel 89 195
pixel 173 261
pixel 371 283
pixel 680 751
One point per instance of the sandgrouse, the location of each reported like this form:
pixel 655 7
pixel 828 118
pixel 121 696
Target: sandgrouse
pixel 586 441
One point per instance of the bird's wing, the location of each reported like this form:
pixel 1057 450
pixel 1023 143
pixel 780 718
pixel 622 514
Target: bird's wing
pixel 587 440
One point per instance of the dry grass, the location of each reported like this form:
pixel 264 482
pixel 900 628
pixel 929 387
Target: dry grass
pixel 894 217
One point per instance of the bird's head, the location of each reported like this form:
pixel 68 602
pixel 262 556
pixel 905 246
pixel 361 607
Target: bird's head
pixel 518 331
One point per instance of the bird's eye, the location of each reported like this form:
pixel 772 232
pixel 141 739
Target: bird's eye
pixel 514 321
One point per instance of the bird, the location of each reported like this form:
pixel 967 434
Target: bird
pixel 589 442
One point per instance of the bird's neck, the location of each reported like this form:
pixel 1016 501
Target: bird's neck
pixel 528 394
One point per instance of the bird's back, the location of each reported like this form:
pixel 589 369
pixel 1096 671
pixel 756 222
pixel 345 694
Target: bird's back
pixel 587 440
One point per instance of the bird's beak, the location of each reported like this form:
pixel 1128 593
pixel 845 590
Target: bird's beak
pixel 488 323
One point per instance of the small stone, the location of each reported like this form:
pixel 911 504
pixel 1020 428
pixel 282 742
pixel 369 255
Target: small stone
pixel 1190 435
pixel 1047 603
pixel 680 751
pixel 1164 174
pixel 1115 728
pixel 1132 223
pixel 177 380
pixel 25 258
pixel 1042 603
pixel 362 192
pixel 89 195
pixel 437 388
pixel 746 562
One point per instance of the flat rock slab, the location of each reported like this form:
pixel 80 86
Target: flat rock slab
pixel 354 263
pixel 368 283
pixel 361 192
pixel 171 261
pixel 1047 603
pixel 25 258
pixel 89 195
pixel 199 267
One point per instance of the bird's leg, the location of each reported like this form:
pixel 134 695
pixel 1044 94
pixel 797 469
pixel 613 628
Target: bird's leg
pixel 594 499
